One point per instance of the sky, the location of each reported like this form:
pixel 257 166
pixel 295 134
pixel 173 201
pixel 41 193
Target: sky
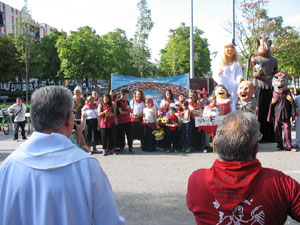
pixel 211 16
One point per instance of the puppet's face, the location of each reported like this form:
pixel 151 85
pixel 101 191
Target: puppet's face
pixel 280 83
pixel 246 90
pixel 264 47
pixel 221 93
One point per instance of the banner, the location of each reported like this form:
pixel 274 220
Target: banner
pixel 152 87
pixel 204 121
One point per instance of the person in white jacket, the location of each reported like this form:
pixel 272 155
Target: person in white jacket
pixel 19 110
pixel 47 179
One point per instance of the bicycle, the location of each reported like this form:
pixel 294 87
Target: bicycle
pixel 5 121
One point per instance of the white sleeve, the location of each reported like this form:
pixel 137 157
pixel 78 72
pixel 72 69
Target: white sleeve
pixel 216 69
pixel 239 74
pixel 131 104
pixel 104 205
pixel 11 109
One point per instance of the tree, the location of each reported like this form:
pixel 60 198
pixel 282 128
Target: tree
pixel 288 54
pixel 81 54
pixel 9 64
pixel 254 23
pixel 50 62
pixel 26 31
pixel 175 57
pixel 117 58
pixel 141 53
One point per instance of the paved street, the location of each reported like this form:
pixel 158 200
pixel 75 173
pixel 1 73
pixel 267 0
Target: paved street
pixel 150 187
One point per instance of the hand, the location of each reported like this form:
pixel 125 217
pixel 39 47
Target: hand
pixel 274 100
pixel 256 74
pixel 85 148
pixel 221 71
pixel 289 98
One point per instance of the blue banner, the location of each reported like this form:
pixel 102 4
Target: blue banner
pixel 152 87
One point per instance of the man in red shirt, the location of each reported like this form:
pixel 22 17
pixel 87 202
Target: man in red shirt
pixel 124 121
pixel 237 189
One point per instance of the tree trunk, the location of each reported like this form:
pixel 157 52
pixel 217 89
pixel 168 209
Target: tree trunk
pixel 294 83
pixel 26 79
pixel 248 66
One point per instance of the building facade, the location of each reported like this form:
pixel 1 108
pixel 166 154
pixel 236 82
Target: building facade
pixel 10 20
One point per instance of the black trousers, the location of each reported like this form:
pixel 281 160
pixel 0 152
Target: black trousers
pixel 173 138
pixel 22 125
pixel 107 140
pixel 124 129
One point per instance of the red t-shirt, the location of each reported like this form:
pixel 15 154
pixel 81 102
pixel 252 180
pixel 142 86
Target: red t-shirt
pixel 268 196
pixel 122 119
pixel 106 121
pixel 172 120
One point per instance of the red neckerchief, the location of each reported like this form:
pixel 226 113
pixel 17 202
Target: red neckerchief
pixel 138 100
pixel 169 101
pixel 88 105
pixel 232 182
pixel 163 111
pixel 193 104
pixel 211 106
pixel 106 107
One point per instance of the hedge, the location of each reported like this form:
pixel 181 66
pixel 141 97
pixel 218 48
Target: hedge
pixel 6 106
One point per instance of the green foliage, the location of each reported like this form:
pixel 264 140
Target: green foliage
pixel 9 65
pixel 175 57
pixel 254 24
pixel 288 52
pixel 140 52
pixel 117 57
pixel 49 62
pixel 6 106
pixel 80 54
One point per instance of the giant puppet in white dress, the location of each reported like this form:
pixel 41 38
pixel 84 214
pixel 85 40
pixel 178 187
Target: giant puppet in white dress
pixel 229 73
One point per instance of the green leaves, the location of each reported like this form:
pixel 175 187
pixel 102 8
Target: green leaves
pixel 175 57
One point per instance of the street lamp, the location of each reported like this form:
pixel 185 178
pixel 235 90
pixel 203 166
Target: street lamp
pixel 191 44
pixel 233 22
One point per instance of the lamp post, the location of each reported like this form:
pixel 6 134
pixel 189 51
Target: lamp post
pixel 233 22
pixel 191 44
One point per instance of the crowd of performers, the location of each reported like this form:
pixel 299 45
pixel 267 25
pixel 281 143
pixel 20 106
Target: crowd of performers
pixel 169 125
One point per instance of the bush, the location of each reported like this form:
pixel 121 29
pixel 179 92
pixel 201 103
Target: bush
pixel 6 106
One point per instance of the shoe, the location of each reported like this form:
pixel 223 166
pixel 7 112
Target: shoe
pixel 183 150
pixel 112 152
pixel 176 151
pixel 279 147
pixel 204 151
pixel 188 150
pixel 130 151
pixel 17 140
pixel 95 151
pixel 90 153
pixel 24 138
pixel 168 151
pixel 161 149
pixel 105 153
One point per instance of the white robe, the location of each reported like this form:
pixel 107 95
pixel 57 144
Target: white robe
pixel 48 180
pixel 230 78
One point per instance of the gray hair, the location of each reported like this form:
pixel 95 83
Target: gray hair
pixel 237 136
pixel 49 107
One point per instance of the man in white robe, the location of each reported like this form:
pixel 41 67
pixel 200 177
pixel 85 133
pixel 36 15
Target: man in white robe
pixel 47 179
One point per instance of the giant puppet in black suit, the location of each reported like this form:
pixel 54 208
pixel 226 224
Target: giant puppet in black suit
pixel 264 67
